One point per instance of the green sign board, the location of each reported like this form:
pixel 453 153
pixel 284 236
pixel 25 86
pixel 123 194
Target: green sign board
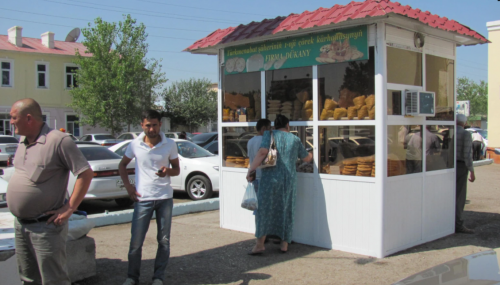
pixel 328 47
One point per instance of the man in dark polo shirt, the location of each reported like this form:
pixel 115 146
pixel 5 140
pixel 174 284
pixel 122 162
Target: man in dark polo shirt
pixel 37 192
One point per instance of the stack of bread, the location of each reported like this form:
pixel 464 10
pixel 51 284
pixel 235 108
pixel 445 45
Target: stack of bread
pixel 370 105
pixel 273 109
pixel 373 170
pixel 350 166
pixel 235 161
pixel 308 110
pixel 393 167
pixel 365 165
pixel 327 112
pixel 286 109
pixel 247 162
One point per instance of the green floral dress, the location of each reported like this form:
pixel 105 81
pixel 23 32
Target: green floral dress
pixel 278 187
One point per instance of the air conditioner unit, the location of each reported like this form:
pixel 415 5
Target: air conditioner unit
pixel 420 103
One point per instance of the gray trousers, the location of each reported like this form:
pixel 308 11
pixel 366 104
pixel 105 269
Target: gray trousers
pixel 41 253
pixel 462 175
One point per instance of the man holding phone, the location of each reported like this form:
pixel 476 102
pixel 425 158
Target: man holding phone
pixel 156 161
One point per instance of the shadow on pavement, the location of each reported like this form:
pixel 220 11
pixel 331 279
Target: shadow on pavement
pixel 485 225
pixel 222 265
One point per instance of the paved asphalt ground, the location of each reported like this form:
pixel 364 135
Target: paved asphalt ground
pixel 203 253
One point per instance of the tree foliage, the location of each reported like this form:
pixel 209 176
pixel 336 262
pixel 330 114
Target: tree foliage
pixel 477 94
pixel 192 103
pixel 117 82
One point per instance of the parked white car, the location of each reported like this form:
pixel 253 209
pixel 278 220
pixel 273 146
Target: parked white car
pixel 8 147
pixel 102 139
pixel 128 136
pixel 199 175
pixel 3 192
pixel 106 183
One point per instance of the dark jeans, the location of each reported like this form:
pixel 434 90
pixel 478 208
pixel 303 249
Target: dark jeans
pixel 143 212
pixel 477 147
pixel 462 175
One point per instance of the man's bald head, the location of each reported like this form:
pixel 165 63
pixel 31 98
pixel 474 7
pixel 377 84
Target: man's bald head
pixel 29 106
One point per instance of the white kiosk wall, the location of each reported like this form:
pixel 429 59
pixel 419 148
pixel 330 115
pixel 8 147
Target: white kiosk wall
pixel 364 215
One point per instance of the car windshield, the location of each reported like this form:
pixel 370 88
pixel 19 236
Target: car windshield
pixel 103 137
pixel 190 150
pixel 98 153
pixel 202 137
pixel 8 140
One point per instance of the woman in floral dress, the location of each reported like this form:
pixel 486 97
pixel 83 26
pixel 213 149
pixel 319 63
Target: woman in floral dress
pixel 278 186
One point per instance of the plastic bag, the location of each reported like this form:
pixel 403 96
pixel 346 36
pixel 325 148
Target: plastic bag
pixel 249 201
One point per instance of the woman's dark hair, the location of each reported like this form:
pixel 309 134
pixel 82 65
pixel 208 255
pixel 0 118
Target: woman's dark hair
pixel 150 115
pixel 281 122
pixel 183 135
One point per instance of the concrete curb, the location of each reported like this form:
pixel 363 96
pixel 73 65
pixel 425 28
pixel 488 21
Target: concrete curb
pixel 125 216
pixel 483 162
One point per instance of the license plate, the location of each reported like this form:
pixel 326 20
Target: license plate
pixel 11 149
pixel 119 183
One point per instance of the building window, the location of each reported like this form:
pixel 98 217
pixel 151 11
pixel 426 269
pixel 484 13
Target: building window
pixel 347 150
pixel 404 67
pixel 42 75
pixel 72 125
pixel 241 100
pixel 346 90
pixel 440 78
pixel 289 93
pixel 70 76
pixel 6 74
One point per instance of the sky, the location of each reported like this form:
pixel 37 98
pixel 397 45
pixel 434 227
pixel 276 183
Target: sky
pixel 172 26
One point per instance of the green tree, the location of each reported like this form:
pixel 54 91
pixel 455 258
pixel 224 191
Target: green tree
pixel 477 94
pixel 117 82
pixel 192 103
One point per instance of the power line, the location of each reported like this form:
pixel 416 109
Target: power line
pixel 38 22
pixel 473 67
pixel 149 11
pixel 169 51
pixel 150 15
pixel 153 36
pixel 86 20
pixel 191 71
pixel 207 9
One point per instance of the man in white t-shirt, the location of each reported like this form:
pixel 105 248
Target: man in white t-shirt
pixel 156 160
pixel 253 146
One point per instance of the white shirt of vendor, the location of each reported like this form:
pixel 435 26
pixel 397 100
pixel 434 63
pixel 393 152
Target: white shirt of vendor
pixel 477 137
pixel 40 180
pixel 147 162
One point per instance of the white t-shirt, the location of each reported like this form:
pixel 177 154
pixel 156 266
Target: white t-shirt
pixel 253 146
pixel 147 162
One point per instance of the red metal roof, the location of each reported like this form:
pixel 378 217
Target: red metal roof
pixel 328 16
pixel 35 46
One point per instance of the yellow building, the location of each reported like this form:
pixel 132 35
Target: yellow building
pixel 41 69
pixel 493 87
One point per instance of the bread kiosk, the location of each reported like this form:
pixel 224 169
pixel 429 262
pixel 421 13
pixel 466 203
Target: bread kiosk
pixel 369 88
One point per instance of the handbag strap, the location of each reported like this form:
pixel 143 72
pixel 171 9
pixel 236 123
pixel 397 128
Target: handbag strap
pixel 272 140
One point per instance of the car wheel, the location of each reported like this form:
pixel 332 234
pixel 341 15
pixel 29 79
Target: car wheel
pixel 199 187
pixel 124 202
